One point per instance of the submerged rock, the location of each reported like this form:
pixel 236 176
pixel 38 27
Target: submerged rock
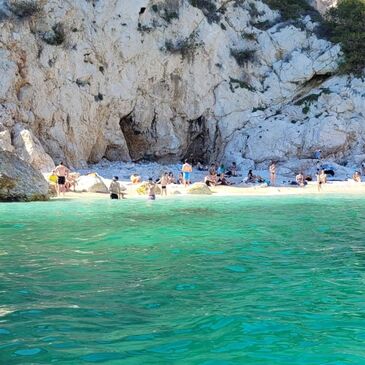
pixel 19 181
pixel 199 188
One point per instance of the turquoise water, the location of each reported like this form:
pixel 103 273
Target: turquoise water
pixel 203 281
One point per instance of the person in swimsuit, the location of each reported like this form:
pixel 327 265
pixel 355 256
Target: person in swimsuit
pixel 232 169
pixel 186 171
pixel 251 178
pixel 61 171
pixel 272 170
pixel 151 187
pixel 211 179
pixel 356 176
pixel 300 179
pixel 114 188
pixel 164 181
pixel 321 179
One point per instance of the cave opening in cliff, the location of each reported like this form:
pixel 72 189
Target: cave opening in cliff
pixel 136 139
pixel 197 149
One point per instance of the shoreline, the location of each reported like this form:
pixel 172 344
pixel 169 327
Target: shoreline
pixel 331 188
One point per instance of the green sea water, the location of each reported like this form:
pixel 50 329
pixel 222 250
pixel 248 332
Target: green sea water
pixel 205 281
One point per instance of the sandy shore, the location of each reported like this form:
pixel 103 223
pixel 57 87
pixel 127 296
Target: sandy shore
pixel 336 187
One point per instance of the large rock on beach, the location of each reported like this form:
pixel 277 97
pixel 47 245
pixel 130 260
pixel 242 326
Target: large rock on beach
pixel 19 181
pixel 91 183
pixel 28 148
pixel 199 189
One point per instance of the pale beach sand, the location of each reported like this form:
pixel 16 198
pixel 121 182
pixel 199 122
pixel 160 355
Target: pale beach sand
pixel 334 187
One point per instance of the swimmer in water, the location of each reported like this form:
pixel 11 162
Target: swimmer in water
pixel 151 187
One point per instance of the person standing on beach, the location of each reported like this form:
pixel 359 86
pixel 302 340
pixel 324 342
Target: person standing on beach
pixel 272 170
pixel 151 189
pixel 321 179
pixel 164 181
pixel 61 171
pixel 114 188
pixel 186 171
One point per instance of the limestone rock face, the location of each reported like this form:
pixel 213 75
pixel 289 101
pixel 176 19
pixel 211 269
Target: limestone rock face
pixel 165 80
pixel 19 181
pixel 5 141
pixel 28 148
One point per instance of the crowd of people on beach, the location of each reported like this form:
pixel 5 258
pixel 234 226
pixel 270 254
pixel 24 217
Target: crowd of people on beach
pixel 63 180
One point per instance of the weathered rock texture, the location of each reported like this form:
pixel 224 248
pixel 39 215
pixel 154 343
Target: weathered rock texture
pixel 19 181
pixel 162 80
pixel 323 5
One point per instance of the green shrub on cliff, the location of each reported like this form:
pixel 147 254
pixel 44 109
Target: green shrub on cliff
pixel 292 9
pixel 347 26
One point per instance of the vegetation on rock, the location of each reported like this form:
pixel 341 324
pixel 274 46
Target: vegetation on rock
pixel 292 9
pixel 347 26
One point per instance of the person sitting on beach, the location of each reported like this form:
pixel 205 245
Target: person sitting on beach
pixel 251 178
pixel 200 167
pixel 151 189
pixel 135 179
pixel 164 181
pixel 321 179
pixel 300 179
pixel 211 179
pixel 212 169
pixel 114 189
pixel 71 181
pixel 61 171
pixel 356 176
pixel 186 171
pixel 232 171
pixel 223 181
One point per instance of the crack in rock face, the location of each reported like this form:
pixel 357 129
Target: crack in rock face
pixel 168 80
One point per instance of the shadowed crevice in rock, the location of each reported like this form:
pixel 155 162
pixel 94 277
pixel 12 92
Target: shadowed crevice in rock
pixel 138 140
pixel 198 140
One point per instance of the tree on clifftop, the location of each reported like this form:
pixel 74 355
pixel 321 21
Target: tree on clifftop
pixel 347 26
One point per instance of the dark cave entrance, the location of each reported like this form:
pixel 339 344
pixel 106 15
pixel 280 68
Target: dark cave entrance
pixel 198 141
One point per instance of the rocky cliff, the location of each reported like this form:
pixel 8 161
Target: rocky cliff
pixel 161 80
